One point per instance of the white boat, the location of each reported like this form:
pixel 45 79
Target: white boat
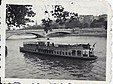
pixel 78 51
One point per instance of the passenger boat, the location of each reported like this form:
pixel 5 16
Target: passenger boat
pixel 78 51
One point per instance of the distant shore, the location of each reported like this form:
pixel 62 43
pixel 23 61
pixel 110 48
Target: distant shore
pixel 101 32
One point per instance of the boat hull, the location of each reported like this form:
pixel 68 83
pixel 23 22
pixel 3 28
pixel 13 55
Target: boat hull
pixel 45 54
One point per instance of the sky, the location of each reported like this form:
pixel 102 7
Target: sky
pixel 84 7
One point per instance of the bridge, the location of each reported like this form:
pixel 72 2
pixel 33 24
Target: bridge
pixel 38 33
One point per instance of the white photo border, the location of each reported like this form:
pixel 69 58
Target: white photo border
pixel 48 81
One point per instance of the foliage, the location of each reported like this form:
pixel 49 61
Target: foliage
pixel 18 15
pixel 61 17
pixel 99 23
pixel 47 23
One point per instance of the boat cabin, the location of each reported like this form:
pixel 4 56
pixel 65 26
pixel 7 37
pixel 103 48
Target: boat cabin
pixel 80 50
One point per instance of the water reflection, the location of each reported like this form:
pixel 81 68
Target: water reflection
pixel 58 66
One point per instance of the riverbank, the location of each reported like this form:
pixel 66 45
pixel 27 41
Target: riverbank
pixel 90 32
pixel 101 32
pixel 84 32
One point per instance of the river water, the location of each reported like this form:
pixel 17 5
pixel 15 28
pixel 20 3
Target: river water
pixel 34 66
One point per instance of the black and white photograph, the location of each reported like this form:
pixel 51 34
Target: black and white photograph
pixel 62 41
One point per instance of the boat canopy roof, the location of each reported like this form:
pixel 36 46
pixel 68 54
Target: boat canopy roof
pixel 60 44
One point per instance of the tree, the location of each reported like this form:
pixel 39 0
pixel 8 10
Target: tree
pixel 18 15
pixel 60 14
pixel 99 23
pixel 47 24
pixel 85 25
pixel 104 22
pixel 101 20
pixel 61 17
pixel 81 25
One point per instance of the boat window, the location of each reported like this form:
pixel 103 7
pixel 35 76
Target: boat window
pixel 69 53
pixel 78 52
pixel 41 50
pixel 52 52
pixel 63 53
pixel 66 53
pixel 57 52
pixel 45 51
pixel 60 52
pixel 85 55
pixel 49 51
pixel 73 52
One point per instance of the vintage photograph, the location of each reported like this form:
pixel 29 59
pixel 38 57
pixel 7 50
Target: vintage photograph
pixel 56 41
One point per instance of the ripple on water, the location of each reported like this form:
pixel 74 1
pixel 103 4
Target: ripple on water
pixel 27 65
